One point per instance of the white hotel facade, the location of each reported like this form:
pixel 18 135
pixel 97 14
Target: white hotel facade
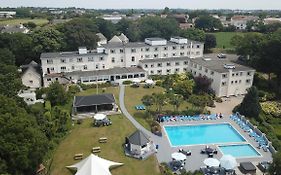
pixel 121 60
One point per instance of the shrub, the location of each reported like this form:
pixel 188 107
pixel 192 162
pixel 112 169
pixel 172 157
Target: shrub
pixel 73 89
pixel 218 99
pixel 90 86
pixel 127 82
pixel 158 83
pixel 273 108
pixel 156 128
pixel 201 100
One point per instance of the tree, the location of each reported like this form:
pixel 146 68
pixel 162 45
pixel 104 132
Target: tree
pixel 176 101
pixel 250 105
pixel 7 57
pixel 30 25
pixel 107 28
pixel 185 88
pixel 47 40
pixel 79 32
pixel 159 100
pixel 10 82
pixel 22 144
pixel 202 84
pixel 275 168
pixel 56 94
pixel 166 11
pixel 208 23
pixel 23 12
pixel 210 42
pixel 147 100
pixel 194 34
pixel 158 27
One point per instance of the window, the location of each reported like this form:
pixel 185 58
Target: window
pixel 79 60
pixel 223 83
pixel 185 62
pixel 159 71
pixel 63 68
pixel 31 81
pixel 182 54
pixel 124 77
pixel 159 65
pixel 237 74
pixel 182 47
pixel 141 49
pixel 133 50
pixel 103 66
pixel 233 74
pixel 142 75
pixel 151 72
pixel 146 66
pixel 168 70
pixel 117 77
pixel 185 69
pixel 147 56
pixel 165 48
pixel 49 79
pixel 90 59
pixel 206 70
pixel 101 58
pixel 174 54
pixel 62 60
pixel 241 73
pixel 236 81
pixel 195 72
pixel 177 70
pixel 155 55
pixel 49 61
pixel 168 64
pixel 97 66
pixel 248 81
pixel 72 67
pixel 113 60
pixel 112 51
pixel 121 51
pixel 174 47
pixel 231 82
pixel 165 55
pixel 249 74
pixel 122 60
pixel 85 67
pixel 197 53
pixel 147 49
pixel 152 65
pixel 156 49
pixel 177 63
pixel 200 67
pixel 224 75
pixel 52 69
pixel 212 72
pixel 239 81
pixel 197 46
pixel 133 59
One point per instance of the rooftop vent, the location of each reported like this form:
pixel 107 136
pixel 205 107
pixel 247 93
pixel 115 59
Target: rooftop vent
pixel 221 55
pixel 229 66
pixel 155 41
pixel 82 50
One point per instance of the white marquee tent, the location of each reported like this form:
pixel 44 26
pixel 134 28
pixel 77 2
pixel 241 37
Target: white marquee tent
pixel 94 165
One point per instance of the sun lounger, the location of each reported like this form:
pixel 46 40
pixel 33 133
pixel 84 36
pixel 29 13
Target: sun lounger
pixel 102 140
pixel 96 150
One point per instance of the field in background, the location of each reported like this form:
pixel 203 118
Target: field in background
pixel 224 38
pixel 24 20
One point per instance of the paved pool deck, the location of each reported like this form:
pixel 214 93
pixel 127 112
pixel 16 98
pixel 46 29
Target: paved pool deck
pixel 195 161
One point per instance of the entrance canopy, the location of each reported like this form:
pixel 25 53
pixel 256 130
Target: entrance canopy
pixel 94 165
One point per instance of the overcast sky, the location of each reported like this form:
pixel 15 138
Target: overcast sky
pixel 151 4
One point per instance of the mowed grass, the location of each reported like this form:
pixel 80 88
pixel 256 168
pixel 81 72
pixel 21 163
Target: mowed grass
pixel 224 39
pixel 84 137
pixel 38 22
pixel 133 97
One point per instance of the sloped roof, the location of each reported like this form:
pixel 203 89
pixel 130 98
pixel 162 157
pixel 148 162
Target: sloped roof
pixel 138 138
pixel 93 100
pixel 101 36
pixel 115 39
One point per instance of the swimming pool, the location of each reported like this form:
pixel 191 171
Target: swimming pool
pixel 239 151
pixel 202 134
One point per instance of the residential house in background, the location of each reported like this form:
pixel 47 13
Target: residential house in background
pixel 31 75
pixel 7 14
pixel 240 21
pixel 14 29
pixel 267 21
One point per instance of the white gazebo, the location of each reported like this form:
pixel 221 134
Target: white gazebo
pixel 149 82
pixel 228 162
pixel 94 165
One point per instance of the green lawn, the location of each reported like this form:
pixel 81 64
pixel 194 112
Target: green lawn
pixel 83 137
pixel 224 38
pixel 24 20
pixel 133 97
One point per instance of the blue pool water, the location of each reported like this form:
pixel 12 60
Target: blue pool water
pixel 239 151
pixel 202 134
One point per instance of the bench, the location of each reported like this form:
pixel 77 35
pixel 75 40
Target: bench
pixel 78 156
pixel 96 150
pixel 103 140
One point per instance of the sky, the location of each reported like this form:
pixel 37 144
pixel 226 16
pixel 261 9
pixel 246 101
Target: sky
pixel 148 4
